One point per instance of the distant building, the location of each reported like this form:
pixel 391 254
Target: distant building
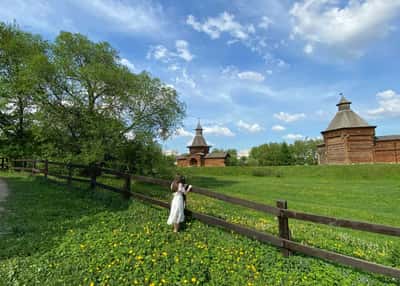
pixel 199 153
pixel 349 139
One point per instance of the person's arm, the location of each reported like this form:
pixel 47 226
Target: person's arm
pixel 181 188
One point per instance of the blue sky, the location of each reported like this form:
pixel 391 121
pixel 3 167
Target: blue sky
pixel 253 71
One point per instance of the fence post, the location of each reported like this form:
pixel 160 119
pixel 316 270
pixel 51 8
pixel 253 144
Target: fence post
pixel 93 175
pixel 33 167
pixel 284 231
pixel 46 168
pixel 69 179
pixel 127 187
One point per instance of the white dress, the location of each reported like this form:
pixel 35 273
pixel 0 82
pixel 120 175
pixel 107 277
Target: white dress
pixel 176 214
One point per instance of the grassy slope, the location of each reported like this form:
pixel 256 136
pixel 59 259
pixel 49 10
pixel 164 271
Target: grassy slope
pixel 363 192
pixel 63 237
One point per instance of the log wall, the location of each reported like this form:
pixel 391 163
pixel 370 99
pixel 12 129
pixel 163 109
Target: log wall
pixel 217 162
pixel 387 151
pixel 335 148
pixel 357 146
pixel 201 162
pixel 360 145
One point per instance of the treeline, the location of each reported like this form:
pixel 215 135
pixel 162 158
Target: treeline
pixel 301 152
pixel 71 99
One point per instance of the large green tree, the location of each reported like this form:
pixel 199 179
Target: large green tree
pixel 95 104
pixel 22 57
pixel 73 99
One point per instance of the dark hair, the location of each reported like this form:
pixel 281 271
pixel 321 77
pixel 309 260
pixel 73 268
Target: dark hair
pixel 178 179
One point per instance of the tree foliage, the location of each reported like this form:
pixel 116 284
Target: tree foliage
pixel 73 99
pixel 301 152
pixel 20 56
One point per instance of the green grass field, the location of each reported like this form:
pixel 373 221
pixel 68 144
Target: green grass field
pixel 54 236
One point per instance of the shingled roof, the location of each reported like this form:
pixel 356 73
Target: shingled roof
pixel 387 137
pixel 198 140
pixel 346 118
pixel 217 155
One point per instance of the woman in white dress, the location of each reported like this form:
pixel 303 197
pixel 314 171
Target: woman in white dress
pixel 176 214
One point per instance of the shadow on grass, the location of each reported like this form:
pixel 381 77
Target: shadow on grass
pixel 39 213
pixel 209 182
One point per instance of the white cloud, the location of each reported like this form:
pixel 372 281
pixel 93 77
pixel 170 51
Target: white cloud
pixel 389 104
pixel 281 63
pixel 233 73
pixel 218 130
pixel 287 117
pixel 185 79
pixel 173 67
pixel 170 85
pixel 251 75
pixel 37 15
pixel 140 16
pixel 170 152
pixel 294 137
pixel 349 27
pixel 180 132
pixel 128 64
pixel 161 53
pixel 265 23
pixel 243 153
pixel 278 128
pixel 225 22
pixel 182 48
pixel 252 128
pixel 308 49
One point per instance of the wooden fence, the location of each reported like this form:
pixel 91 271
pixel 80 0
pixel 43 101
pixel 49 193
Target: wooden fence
pixel 284 240
pixel 3 163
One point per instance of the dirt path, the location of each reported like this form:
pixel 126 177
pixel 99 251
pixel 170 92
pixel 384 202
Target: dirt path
pixel 3 194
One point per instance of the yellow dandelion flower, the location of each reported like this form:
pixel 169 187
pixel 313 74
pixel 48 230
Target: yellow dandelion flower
pixel 194 279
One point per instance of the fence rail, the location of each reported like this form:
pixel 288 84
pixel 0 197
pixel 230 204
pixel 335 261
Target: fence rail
pixel 284 240
pixel 357 225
